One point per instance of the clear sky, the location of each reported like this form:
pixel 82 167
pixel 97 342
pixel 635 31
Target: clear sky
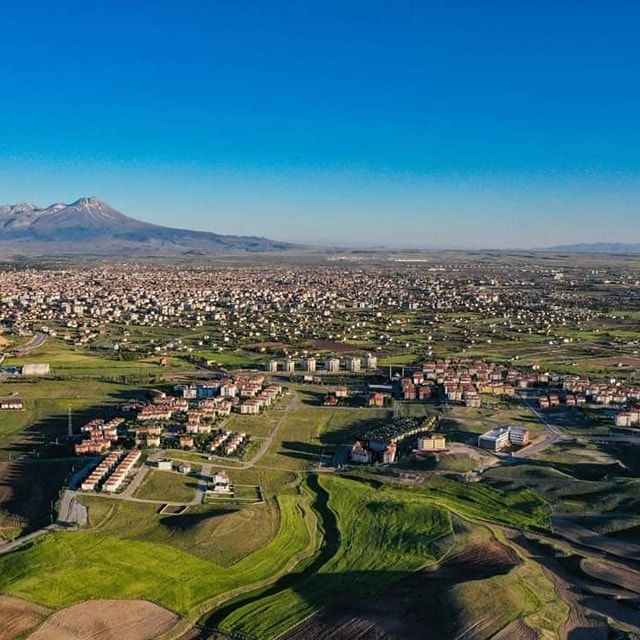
pixel 456 123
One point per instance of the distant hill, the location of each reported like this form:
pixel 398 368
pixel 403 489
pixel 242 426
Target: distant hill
pixel 91 227
pixel 618 248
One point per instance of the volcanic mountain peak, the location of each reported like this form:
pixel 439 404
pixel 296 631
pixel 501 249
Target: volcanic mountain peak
pixel 89 225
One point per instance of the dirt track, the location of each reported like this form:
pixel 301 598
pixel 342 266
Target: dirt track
pixel 107 620
pixel 18 616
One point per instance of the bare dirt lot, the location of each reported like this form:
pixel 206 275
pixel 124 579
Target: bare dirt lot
pixel 400 614
pixel 19 616
pixel 107 620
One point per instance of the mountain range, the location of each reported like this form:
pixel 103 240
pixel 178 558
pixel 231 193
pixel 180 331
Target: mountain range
pixel 89 226
pixel 617 248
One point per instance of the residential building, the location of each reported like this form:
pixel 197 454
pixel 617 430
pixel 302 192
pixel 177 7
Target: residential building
pixel 495 439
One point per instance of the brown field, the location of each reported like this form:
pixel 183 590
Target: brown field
pixel 517 630
pixel 19 616
pixel 107 620
pixel 582 622
pixel 619 576
pixel 335 347
pixel 401 614
pixel 3 341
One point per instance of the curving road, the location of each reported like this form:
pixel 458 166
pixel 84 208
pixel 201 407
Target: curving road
pixel 37 341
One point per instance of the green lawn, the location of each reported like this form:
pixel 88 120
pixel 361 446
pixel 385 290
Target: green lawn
pixel 167 485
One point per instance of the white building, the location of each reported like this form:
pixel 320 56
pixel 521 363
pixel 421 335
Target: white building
pixel 164 464
pixel 369 361
pixel 495 440
pixel 352 364
pixel 221 483
pixel 333 365
pixel 35 370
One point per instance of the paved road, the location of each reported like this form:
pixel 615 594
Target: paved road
pixel 203 483
pixel 36 341
pixel 554 430
pixel 23 540
pixel 72 512
pixel 136 481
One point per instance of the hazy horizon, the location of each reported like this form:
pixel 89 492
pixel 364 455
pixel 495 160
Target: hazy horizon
pixel 372 124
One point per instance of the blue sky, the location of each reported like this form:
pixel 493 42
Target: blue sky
pixel 458 123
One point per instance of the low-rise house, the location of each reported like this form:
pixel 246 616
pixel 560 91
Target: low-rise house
pixel 250 407
pixel 376 399
pixel 221 482
pixel 186 441
pixel 432 442
pixel 11 404
pixel 359 453
pixel 389 454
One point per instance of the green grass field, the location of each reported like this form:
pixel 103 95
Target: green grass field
pixel 65 568
pixel 389 534
pixel 222 533
pixel 169 486
pixel 67 360
pixel 46 409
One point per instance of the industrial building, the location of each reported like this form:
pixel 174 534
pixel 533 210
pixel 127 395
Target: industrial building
pixel 36 369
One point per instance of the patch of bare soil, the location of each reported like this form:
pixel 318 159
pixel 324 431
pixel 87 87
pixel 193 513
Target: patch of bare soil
pixel 517 630
pixel 19 616
pixel 336 347
pixel 582 623
pixel 403 612
pixel 474 453
pixel 3 341
pixel 586 537
pixel 107 620
pixel 613 574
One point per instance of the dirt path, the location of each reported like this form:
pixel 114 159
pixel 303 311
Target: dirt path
pixel 23 540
